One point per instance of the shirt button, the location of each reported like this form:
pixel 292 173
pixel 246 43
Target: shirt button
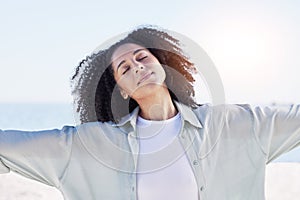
pixel 195 162
pixel 132 188
pixel 201 188
pixel 182 136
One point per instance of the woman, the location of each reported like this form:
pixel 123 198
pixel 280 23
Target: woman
pixel 142 135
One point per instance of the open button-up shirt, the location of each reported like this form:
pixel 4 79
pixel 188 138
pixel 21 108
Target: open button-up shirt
pixel 228 147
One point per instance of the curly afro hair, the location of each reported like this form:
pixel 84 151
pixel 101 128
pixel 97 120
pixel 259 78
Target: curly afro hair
pixel 96 95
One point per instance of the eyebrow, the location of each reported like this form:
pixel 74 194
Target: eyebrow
pixel 135 52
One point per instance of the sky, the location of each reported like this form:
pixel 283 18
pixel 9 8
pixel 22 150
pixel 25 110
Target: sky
pixel 254 45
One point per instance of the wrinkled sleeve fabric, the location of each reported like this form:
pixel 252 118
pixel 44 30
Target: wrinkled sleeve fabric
pixel 277 129
pixel 39 155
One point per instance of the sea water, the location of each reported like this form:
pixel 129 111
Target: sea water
pixel 45 116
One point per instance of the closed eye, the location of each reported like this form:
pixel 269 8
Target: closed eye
pixel 126 69
pixel 142 58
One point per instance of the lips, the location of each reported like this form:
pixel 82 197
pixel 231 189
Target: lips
pixel 145 77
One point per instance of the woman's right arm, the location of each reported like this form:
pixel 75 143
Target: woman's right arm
pixel 39 155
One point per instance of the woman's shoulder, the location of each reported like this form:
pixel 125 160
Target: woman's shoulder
pixel 221 108
pixel 220 112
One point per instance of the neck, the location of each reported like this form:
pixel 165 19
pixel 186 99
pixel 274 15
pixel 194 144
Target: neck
pixel 158 106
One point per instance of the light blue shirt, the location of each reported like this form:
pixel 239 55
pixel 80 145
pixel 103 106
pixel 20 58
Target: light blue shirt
pixel 99 160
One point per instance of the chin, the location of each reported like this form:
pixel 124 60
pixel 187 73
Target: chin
pixel 147 89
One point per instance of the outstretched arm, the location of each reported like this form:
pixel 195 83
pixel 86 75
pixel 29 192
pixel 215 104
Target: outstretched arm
pixel 39 155
pixel 277 129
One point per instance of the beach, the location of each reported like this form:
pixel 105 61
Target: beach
pixel 282 183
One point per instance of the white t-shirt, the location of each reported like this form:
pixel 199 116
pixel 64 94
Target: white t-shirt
pixel 164 171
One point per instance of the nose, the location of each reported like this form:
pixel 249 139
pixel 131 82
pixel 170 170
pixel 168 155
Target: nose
pixel 138 67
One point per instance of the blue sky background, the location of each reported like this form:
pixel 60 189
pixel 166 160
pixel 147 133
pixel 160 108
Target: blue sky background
pixel 255 45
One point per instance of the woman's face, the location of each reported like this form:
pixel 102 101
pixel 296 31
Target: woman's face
pixel 136 70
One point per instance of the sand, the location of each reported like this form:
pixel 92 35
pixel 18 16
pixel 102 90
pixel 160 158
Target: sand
pixel 282 183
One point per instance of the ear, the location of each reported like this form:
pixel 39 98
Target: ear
pixel 123 94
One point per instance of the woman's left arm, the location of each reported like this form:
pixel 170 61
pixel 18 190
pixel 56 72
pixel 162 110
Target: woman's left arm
pixel 277 129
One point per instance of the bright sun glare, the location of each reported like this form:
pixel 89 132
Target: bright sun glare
pixel 239 42
pixel 242 52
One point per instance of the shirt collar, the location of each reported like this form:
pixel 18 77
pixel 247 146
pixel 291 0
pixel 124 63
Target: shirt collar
pixel 129 118
pixel 186 113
